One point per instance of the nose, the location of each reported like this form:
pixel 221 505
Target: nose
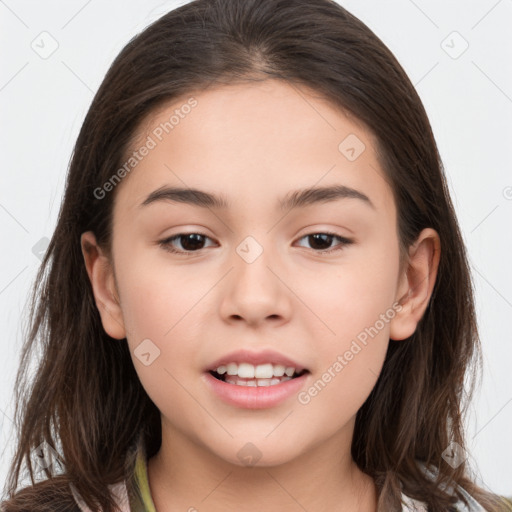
pixel 256 289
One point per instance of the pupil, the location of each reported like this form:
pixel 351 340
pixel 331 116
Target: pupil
pixel 192 237
pixel 318 237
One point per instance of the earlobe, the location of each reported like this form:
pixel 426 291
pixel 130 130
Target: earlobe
pixel 416 284
pixel 101 275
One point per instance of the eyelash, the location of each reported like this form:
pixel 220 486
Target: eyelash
pixel 166 243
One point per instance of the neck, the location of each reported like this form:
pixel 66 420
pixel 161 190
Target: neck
pixel 184 476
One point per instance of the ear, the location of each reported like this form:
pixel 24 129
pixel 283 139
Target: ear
pixel 416 284
pixel 101 274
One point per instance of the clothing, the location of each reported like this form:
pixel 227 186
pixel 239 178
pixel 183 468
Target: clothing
pixel 460 506
pixel 135 495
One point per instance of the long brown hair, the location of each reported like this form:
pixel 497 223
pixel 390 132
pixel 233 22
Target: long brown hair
pixel 73 402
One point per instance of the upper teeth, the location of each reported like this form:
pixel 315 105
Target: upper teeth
pixel 261 371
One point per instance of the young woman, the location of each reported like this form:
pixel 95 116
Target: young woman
pixel 256 296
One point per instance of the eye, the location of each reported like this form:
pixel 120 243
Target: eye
pixel 194 242
pixel 191 242
pixel 323 240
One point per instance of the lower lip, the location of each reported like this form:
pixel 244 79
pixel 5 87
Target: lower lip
pixel 259 397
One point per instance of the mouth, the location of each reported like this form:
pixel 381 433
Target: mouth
pixel 249 380
pixel 264 375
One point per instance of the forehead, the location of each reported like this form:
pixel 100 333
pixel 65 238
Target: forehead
pixel 253 142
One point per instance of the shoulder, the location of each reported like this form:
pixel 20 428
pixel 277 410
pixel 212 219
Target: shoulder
pixel 46 497
pixel 47 507
pixel 411 505
pixel 41 497
pixel 472 506
pixel 119 492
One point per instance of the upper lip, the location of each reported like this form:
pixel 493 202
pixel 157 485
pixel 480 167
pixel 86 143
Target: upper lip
pixel 255 358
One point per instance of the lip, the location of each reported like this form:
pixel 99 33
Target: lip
pixel 255 358
pixel 260 397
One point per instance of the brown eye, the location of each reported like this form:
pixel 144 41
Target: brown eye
pixel 321 242
pixel 190 242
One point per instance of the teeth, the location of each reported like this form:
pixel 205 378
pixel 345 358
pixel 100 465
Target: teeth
pixel 232 369
pixel 289 371
pixel 246 371
pixel 264 371
pixel 279 370
pixel 256 382
pixel 261 372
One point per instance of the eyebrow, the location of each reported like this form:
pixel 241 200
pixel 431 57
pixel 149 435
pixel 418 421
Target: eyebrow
pixel 295 199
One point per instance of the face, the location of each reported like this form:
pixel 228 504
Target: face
pixel 257 279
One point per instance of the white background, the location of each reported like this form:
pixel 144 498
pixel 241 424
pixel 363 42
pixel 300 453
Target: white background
pixel 468 99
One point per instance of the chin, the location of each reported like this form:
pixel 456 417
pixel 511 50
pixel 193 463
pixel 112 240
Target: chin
pixel 258 454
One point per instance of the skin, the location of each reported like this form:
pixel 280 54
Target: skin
pixel 255 143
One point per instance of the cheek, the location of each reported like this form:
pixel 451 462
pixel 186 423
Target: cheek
pixel 158 309
pixel 158 305
pixel 356 304
pixel 155 297
pixel 350 297
pixel 350 360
